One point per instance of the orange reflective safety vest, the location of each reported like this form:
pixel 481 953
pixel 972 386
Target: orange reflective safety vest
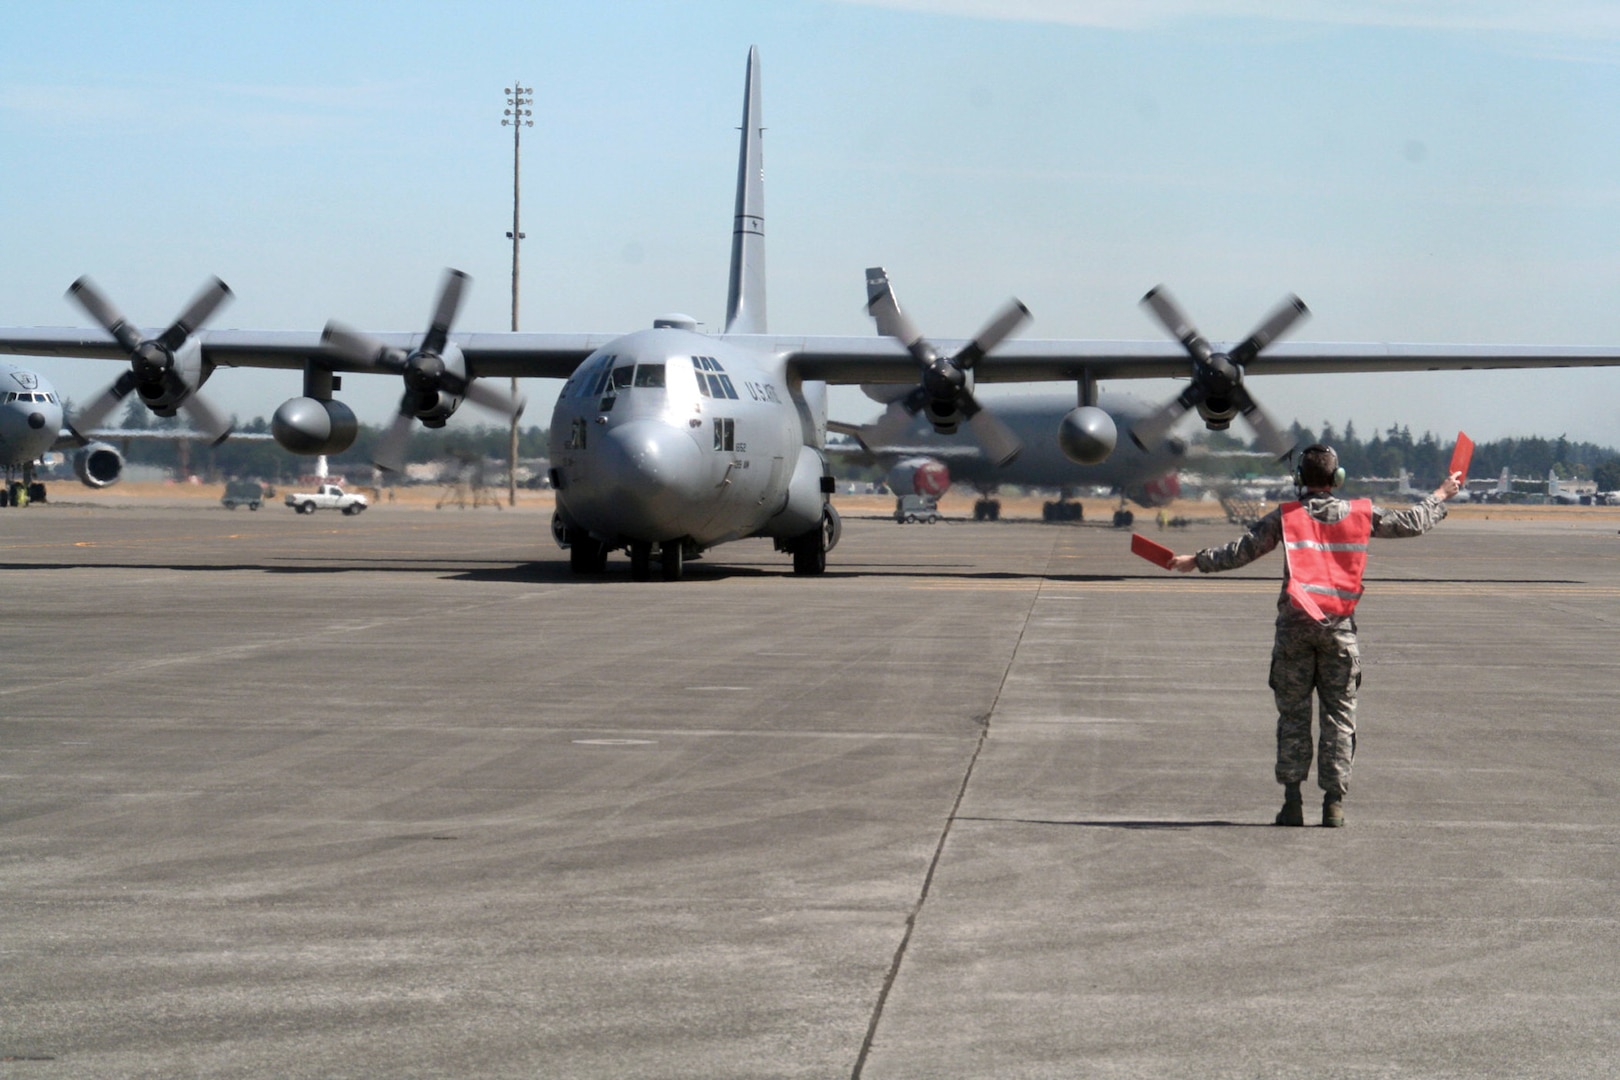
pixel 1325 561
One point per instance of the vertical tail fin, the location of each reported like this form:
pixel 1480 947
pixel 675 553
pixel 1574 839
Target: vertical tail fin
pixel 745 299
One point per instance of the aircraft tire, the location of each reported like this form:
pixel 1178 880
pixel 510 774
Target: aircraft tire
pixel 641 561
pixel 810 553
pixel 36 492
pixel 671 555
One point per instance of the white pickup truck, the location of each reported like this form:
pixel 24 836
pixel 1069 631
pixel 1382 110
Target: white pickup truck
pixel 329 497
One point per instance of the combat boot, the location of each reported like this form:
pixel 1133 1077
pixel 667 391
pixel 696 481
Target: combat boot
pixel 1293 808
pixel 1332 810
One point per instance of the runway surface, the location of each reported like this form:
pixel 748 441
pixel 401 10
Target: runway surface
pixel 394 795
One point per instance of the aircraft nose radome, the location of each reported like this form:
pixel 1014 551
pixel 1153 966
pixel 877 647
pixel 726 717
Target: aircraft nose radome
pixel 658 473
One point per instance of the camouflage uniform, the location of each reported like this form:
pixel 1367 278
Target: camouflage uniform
pixel 1309 656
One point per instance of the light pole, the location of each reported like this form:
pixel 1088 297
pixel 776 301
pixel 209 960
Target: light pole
pixel 518 97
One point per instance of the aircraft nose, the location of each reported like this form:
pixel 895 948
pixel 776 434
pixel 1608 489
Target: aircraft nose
pixel 36 420
pixel 657 476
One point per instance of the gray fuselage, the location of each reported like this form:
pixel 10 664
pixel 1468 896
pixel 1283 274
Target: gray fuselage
pixel 668 434
pixel 30 416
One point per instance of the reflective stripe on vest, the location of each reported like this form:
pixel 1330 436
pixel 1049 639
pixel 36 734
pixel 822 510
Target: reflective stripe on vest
pixel 1326 561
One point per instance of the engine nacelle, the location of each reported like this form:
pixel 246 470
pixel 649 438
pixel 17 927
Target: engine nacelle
pixel 437 408
pixel 919 476
pixel 1217 412
pixel 98 465
pixel 1087 435
pixel 305 425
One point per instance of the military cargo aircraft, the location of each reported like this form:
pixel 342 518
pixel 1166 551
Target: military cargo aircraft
pixel 667 442
pixel 921 461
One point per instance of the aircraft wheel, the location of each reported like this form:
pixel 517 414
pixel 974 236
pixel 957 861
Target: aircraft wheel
pixel 586 554
pixel 36 492
pixel 5 496
pixel 810 553
pixel 671 554
pixel 641 560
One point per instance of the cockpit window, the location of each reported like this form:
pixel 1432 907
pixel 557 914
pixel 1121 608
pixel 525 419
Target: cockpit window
pixel 622 376
pixel 651 375
pixel 711 378
pixel 593 376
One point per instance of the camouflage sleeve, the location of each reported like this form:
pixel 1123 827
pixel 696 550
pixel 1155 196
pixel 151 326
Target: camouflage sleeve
pixel 1414 521
pixel 1262 536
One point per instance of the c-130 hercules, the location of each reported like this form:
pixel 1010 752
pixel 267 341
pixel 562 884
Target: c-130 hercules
pixel 667 442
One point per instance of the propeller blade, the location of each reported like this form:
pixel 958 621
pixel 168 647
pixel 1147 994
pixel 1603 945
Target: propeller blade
pixel 993 435
pixel 491 396
pixel 390 452
pixel 1011 317
pixel 1275 325
pixel 207 419
pixel 1148 434
pixel 445 313
pixel 896 420
pixel 96 413
pixel 201 308
pixel 1172 318
pixel 1275 442
pixel 99 308
pixel 360 348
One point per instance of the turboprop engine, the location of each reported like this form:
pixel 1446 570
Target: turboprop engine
pixel 98 465
pixel 306 425
pixel 919 476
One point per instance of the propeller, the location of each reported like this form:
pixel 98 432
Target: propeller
pixel 164 383
pixel 945 388
pixel 1217 389
pixel 425 372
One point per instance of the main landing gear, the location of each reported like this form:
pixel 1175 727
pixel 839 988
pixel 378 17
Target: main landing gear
pixel 21 493
pixel 671 557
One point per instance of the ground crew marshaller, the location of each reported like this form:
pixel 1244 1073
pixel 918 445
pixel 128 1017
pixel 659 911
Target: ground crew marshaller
pixel 1325 551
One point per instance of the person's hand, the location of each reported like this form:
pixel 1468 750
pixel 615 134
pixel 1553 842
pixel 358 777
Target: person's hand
pixel 1450 487
pixel 1185 564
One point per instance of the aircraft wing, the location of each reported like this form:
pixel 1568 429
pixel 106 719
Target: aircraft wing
pixel 838 360
pixel 844 360
pixel 536 355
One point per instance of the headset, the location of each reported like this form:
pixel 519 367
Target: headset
pixel 1320 448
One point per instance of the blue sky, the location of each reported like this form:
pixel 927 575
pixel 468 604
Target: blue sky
pixel 1416 171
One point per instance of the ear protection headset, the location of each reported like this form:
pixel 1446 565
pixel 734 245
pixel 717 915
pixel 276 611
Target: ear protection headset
pixel 1318 448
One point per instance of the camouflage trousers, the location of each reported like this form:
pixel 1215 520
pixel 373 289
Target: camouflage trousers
pixel 1309 660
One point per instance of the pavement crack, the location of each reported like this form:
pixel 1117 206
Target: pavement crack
pixel 939 848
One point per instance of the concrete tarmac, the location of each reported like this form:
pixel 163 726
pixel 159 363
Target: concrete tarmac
pixel 395 795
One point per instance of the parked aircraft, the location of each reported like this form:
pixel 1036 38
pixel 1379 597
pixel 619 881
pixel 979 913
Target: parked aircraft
pixel 31 426
pixel 1571 493
pixel 919 460
pixel 669 441
pixel 1476 491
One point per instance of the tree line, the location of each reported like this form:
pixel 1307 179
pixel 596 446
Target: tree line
pixel 1426 457
pixel 1385 454
pixel 264 459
